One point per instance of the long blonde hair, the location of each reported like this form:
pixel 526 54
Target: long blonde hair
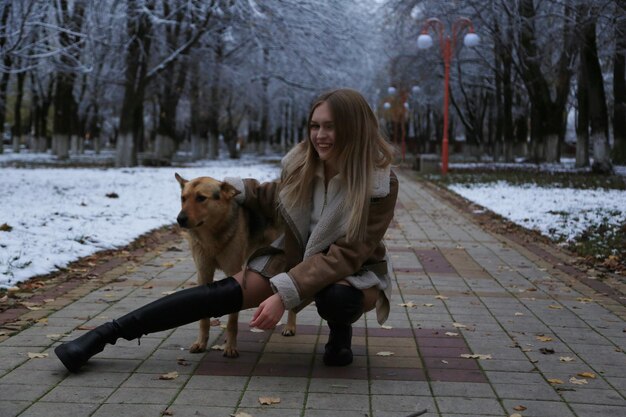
pixel 361 146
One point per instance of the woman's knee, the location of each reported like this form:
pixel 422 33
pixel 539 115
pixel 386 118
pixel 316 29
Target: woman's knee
pixel 340 303
pixel 255 287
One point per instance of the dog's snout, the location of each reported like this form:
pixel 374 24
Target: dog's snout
pixel 182 219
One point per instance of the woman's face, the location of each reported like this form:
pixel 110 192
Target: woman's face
pixel 322 132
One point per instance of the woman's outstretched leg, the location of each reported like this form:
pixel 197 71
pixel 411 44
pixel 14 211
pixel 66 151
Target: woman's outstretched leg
pixel 183 307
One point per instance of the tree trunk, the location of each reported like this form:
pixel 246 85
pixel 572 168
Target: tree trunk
pixel 265 104
pixel 215 99
pixel 547 113
pixel 198 115
pixel 63 106
pixel 64 103
pixel 139 29
pixel 582 123
pixel 507 111
pixel 6 62
pixel 619 85
pixel 598 113
pixel 17 112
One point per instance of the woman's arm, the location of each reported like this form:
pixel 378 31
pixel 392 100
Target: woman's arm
pixel 256 196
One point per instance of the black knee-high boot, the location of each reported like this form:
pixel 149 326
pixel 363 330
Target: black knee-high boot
pixel 183 307
pixel 340 305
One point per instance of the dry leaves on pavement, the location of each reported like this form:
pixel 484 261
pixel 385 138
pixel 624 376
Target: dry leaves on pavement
pixel 269 400
pixel 169 376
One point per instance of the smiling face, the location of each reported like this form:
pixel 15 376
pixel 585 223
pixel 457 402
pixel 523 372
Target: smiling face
pixel 322 133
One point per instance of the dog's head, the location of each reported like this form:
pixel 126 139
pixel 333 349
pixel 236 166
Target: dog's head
pixel 204 201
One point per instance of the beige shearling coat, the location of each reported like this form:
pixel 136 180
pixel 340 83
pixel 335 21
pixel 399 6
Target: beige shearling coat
pixel 303 261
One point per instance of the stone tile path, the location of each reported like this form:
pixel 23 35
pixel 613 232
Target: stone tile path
pixel 481 325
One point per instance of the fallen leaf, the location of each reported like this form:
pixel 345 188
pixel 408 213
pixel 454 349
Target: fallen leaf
pixel 451 334
pixel 218 347
pixel 459 325
pixel 428 305
pixel 410 304
pixel 444 361
pixel 168 264
pixel 168 292
pixel 167 413
pixel 475 356
pixel 256 330
pixel 555 307
pixel 384 326
pixel 543 338
pixel 32 355
pixel 555 381
pixel 519 314
pixel 385 353
pixel 169 376
pixel 441 297
pixel 54 336
pixel 589 375
pixel 519 408
pixel 584 300
pixel 182 362
pixel 269 400
pixel 577 381
pixel 566 359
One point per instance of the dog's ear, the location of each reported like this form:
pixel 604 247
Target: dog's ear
pixel 180 180
pixel 228 190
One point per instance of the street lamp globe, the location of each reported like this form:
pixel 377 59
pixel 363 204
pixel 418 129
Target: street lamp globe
pixel 416 89
pixel 471 40
pixel 424 41
pixel 391 90
pixel 386 105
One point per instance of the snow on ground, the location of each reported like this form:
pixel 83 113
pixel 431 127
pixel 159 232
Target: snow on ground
pixel 556 213
pixel 58 215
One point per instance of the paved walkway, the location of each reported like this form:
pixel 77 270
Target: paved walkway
pixel 480 326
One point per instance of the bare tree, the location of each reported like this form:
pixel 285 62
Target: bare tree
pixel 592 85
pixel 619 84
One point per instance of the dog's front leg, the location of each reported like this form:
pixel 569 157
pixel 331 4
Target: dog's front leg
pixel 290 327
pixel 206 271
pixel 230 349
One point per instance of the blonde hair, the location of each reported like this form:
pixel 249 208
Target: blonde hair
pixel 361 147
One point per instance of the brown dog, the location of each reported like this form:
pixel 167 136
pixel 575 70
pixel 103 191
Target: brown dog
pixel 222 235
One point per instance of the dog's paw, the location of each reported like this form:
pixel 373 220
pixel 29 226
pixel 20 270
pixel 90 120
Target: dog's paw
pixel 197 347
pixel 288 331
pixel 231 352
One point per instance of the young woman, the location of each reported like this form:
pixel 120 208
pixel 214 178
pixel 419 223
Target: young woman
pixel 336 199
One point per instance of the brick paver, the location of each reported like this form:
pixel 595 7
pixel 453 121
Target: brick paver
pixel 481 325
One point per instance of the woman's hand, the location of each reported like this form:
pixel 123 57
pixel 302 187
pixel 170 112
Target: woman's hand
pixel 268 313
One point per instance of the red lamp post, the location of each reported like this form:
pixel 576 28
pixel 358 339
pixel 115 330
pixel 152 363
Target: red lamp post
pixel 447 43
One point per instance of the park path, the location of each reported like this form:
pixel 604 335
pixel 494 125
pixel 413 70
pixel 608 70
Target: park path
pixel 481 325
